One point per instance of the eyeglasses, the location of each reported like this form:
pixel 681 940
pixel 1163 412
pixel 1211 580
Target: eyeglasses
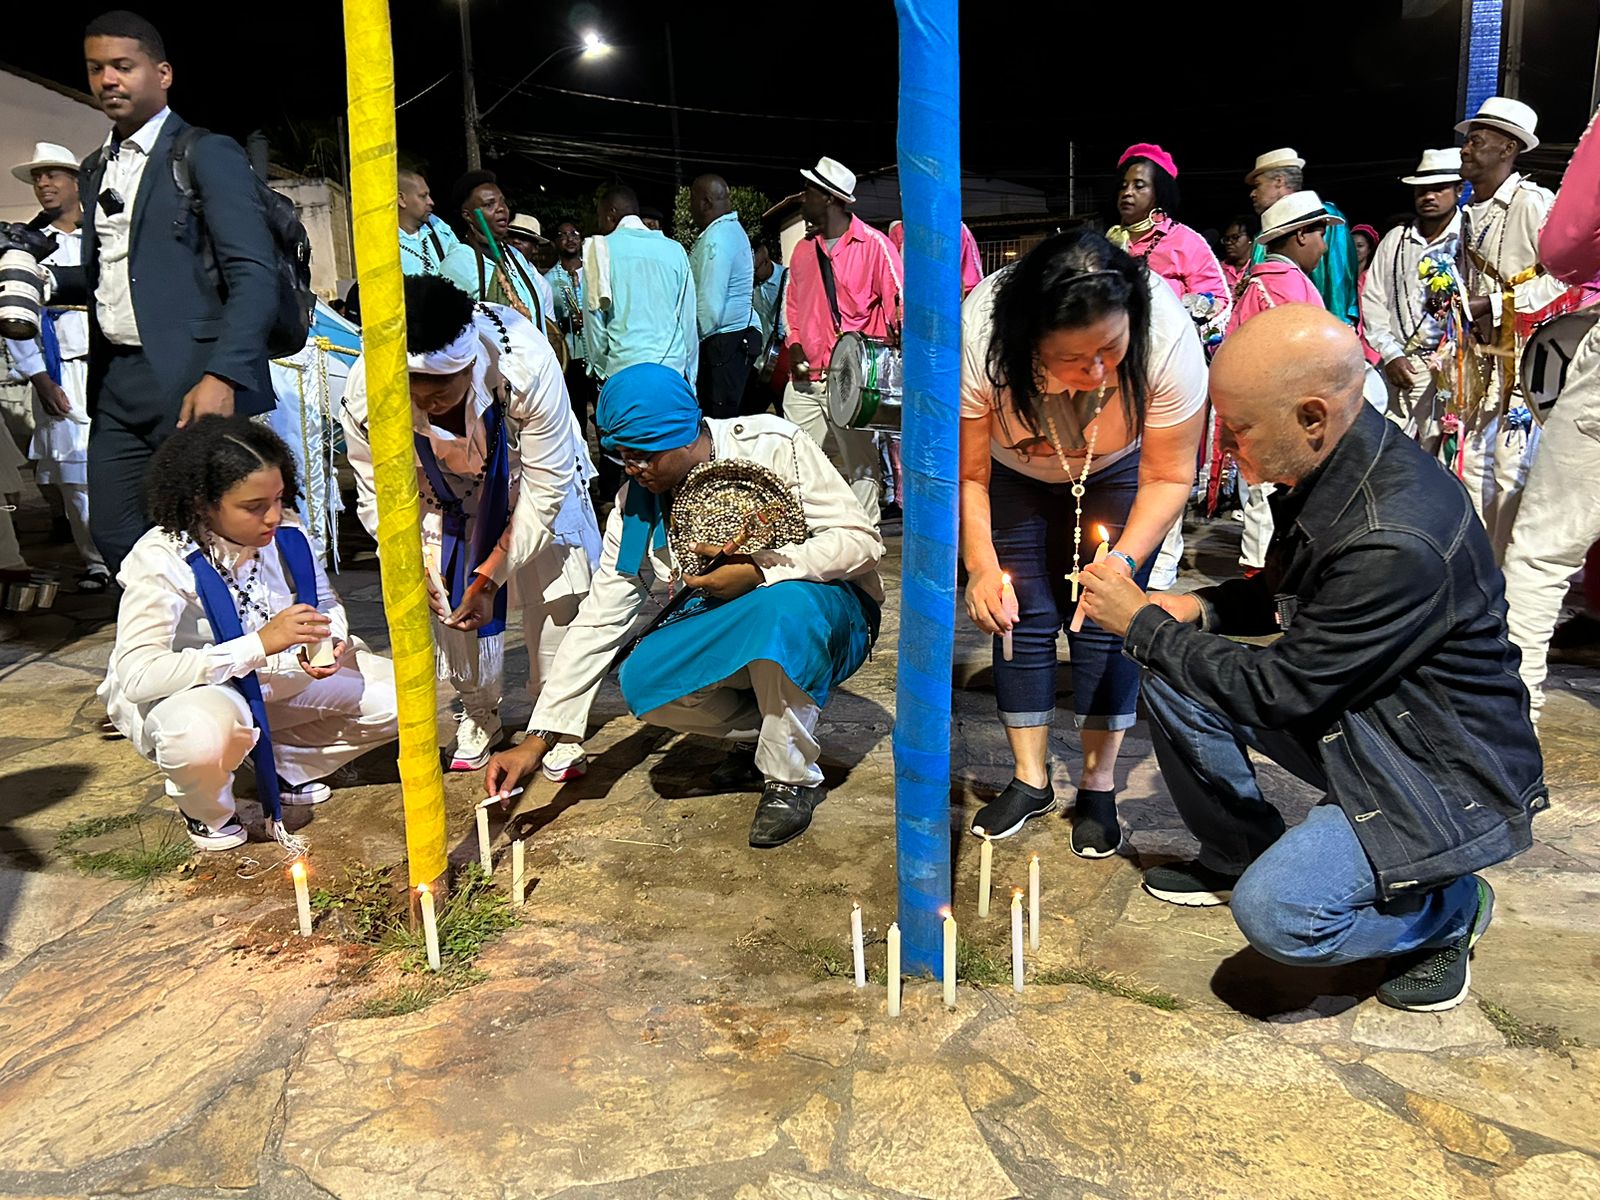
pixel 625 457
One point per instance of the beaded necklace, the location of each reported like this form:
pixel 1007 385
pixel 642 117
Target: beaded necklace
pixel 1078 482
pixel 244 589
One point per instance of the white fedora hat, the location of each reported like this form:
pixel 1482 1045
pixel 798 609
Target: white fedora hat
pixel 1508 116
pixel 1437 166
pixel 528 225
pixel 1272 160
pixel 1295 211
pixel 833 176
pixel 46 154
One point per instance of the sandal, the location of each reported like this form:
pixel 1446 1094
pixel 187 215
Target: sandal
pixel 94 582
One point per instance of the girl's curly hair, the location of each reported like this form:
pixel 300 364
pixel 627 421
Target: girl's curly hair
pixel 195 467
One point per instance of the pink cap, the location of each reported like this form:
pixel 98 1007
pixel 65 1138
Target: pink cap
pixel 1154 153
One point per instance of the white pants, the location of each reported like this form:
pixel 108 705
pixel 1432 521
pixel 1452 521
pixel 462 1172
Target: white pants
pixel 202 734
pixel 544 627
pixel 1257 525
pixel 1559 518
pixel 757 704
pixel 854 451
pixel 74 498
pixel 1416 408
pixel 1494 468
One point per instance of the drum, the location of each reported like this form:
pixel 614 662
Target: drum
pixel 864 384
pixel 1547 354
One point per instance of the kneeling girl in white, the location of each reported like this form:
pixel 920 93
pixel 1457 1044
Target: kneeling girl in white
pixel 231 642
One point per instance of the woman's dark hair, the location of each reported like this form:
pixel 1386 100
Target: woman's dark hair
pixel 1167 199
pixel 196 466
pixel 1245 221
pixel 1067 282
pixel 436 313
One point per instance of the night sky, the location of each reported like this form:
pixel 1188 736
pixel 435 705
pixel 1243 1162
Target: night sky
pixel 761 96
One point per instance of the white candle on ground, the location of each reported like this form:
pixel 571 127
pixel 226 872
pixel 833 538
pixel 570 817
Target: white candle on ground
pixel 894 969
pixel 502 796
pixel 1016 940
pixel 430 927
pixel 949 959
pixel 858 948
pixel 302 897
pixel 1033 903
pixel 485 857
pixel 1100 556
pixel 985 870
pixel 1008 602
pixel 519 882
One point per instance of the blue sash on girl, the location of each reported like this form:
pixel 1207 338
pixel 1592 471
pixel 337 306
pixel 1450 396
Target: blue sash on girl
pixel 458 556
pixel 223 615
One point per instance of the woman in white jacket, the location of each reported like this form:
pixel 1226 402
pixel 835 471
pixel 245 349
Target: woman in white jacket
pixel 503 476
pixel 231 642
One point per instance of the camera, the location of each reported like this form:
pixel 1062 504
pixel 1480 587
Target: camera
pixel 24 285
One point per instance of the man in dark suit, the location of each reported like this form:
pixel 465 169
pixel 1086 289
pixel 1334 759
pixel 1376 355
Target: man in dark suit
pixel 170 340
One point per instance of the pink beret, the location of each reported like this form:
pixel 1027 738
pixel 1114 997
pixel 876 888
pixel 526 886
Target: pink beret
pixel 1154 153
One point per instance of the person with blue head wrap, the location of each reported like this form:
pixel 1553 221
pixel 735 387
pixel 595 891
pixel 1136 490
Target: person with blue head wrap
pixel 754 655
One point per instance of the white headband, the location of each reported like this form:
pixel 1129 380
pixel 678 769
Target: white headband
pixel 457 356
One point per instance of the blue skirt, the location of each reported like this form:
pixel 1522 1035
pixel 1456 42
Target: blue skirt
pixel 818 633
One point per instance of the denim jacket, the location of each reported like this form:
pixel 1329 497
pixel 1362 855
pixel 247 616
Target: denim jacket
pixel 1394 666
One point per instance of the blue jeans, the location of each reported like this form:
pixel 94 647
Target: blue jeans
pixel 1032 529
pixel 1307 896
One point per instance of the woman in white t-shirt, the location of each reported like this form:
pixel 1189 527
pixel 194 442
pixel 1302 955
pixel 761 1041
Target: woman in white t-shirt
pixel 1083 391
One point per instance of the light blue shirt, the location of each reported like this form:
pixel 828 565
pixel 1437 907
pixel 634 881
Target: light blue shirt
pixel 724 273
pixel 420 252
pixel 766 301
pixel 651 317
pixel 461 267
pixel 567 287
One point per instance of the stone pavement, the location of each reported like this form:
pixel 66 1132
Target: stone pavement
pixel 668 1018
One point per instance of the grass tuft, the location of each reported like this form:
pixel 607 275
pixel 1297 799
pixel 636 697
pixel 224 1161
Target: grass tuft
pixel 1525 1034
pixel 365 904
pixel 977 967
pixel 149 860
pixel 472 916
pixel 1110 984
pixel 826 959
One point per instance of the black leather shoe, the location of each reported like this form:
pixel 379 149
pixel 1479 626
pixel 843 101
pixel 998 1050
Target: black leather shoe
pixel 784 813
pixel 737 772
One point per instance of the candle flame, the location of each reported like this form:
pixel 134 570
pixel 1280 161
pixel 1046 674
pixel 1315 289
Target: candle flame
pixel 945 912
pixel 855 905
pixel 1016 893
pixel 978 829
pixel 298 870
pixel 1034 859
pixel 423 888
pixel 1005 578
pixel 1100 532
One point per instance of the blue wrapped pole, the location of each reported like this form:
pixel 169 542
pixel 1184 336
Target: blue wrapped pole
pixel 930 195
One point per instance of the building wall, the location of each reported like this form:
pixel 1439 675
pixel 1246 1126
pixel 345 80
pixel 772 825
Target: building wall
pixel 36 113
pixel 325 214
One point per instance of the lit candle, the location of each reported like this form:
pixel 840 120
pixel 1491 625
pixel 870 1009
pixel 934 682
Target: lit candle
pixel 1008 602
pixel 858 949
pixel 1099 557
pixel 1016 940
pixel 302 897
pixel 985 869
pixel 1033 903
pixel 519 882
pixel 484 856
pixel 949 958
pixel 504 795
pixel 430 927
pixel 894 969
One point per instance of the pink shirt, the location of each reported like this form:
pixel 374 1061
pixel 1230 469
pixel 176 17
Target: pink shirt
pixel 1274 281
pixel 1232 275
pixel 867 278
pixel 1183 258
pixel 1569 246
pixel 971 260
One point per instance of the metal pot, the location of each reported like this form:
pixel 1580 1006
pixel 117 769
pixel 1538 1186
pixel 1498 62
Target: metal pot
pixel 21 596
pixel 48 586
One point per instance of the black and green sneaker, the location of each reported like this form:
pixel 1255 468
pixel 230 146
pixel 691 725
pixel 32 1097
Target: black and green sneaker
pixel 1437 980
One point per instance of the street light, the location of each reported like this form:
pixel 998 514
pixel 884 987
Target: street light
pixel 592 46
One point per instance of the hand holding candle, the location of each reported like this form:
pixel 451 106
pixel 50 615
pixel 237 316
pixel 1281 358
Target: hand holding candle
pixel 1099 557
pixel 302 897
pixel 1008 602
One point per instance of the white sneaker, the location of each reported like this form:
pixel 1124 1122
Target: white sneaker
pixel 474 741
pixel 566 760
pixel 302 794
pixel 226 838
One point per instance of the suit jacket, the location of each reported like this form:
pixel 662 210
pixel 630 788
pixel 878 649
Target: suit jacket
pixel 187 328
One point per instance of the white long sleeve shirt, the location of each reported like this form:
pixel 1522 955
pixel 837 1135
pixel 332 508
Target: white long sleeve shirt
pixel 1393 302
pixel 1504 230
pixel 842 543
pixel 113 297
pixel 546 547
pixel 164 643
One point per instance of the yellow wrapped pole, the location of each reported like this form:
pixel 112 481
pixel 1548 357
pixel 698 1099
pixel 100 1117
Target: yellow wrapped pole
pixel 369 74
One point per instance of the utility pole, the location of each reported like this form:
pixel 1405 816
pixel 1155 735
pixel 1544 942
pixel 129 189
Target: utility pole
pixel 672 99
pixel 469 94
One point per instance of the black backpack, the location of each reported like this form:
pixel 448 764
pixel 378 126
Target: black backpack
pixel 291 320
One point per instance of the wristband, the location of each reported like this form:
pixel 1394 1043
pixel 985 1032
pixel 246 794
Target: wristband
pixel 1133 565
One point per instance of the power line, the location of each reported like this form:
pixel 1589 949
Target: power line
pixel 716 112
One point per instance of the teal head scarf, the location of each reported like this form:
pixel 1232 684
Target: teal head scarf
pixel 646 407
